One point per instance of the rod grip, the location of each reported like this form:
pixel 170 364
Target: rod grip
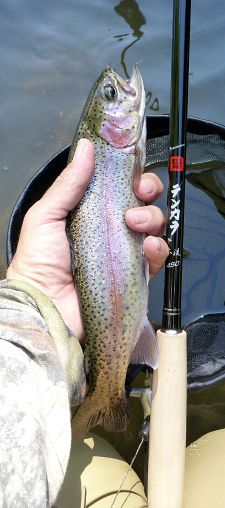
pixel 168 423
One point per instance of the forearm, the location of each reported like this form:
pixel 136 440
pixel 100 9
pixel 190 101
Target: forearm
pixel 41 367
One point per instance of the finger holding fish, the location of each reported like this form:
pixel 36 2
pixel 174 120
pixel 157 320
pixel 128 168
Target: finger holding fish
pixel 156 251
pixel 149 187
pixel 146 219
pixel 150 220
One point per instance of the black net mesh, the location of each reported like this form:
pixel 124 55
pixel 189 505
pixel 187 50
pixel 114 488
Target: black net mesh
pixel 203 151
pixel 206 348
pixel 204 240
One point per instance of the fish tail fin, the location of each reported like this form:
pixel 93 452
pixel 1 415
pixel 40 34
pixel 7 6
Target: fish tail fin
pixel 115 419
pixel 89 414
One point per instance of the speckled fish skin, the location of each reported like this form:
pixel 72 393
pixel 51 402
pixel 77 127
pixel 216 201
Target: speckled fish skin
pixel 107 257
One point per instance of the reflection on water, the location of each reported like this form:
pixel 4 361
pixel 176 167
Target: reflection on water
pixel 151 102
pixel 130 12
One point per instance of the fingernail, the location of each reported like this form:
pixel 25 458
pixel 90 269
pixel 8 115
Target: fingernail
pixel 80 149
pixel 156 243
pixel 147 186
pixel 139 216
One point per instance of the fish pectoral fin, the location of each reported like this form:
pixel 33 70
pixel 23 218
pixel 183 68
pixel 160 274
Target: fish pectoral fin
pixel 146 351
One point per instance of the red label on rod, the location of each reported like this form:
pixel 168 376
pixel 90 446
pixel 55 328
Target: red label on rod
pixel 177 163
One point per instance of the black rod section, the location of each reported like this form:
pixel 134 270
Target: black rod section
pixel 177 164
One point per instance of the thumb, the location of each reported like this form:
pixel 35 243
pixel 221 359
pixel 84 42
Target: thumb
pixel 69 187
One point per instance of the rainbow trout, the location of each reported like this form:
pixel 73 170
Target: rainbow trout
pixel 107 257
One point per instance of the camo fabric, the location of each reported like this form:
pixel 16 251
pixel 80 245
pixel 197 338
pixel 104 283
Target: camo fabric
pixel 41 374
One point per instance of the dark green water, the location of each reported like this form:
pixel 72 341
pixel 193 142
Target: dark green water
pixel 51 52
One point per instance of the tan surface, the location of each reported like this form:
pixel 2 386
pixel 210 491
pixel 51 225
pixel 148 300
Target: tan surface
pixel 96 465
pixel 204 485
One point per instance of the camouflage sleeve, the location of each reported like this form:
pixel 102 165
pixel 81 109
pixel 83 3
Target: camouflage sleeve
pixel 41 370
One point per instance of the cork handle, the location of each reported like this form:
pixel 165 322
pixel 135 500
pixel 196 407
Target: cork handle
pixel 168 423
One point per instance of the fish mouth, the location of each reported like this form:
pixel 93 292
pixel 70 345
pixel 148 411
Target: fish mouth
pixel 129 116
pixel 133 86
pixel 136 83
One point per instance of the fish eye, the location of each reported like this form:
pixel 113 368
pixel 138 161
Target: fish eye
pixel 109 92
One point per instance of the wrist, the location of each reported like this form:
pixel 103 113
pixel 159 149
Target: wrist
pixel 15 275
pixel 63 296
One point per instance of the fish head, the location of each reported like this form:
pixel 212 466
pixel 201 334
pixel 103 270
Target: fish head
pixel 116 111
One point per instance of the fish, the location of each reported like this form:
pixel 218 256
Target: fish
pixel 109 266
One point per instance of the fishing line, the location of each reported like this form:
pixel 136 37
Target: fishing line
pixel 126 474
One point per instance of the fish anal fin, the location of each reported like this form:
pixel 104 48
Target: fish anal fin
pixel 146 351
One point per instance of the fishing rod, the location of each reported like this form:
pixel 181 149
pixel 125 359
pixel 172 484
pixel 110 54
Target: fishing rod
pixel 169 389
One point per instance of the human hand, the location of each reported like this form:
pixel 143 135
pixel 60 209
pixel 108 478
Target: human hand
pixel 43 258
pixel 150 219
